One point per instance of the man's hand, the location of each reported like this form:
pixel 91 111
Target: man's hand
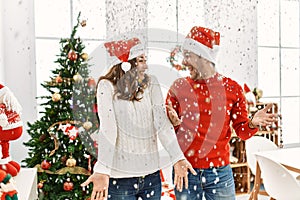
pixel 173 116
pixel 262 118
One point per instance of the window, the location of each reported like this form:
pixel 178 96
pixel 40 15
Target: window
pixel 278 61
pixel 277 30
pixel 54 20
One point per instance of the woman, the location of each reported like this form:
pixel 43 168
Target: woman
pixel 132 119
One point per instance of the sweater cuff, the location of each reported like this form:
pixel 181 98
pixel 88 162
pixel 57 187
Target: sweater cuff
pixel 251 125
pixel 103 169
pixel 175 152
pixel 180 157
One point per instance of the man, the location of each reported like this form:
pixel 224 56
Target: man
pixel 206 105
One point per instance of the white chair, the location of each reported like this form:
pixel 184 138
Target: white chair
pixel 257 144
pixel 279 183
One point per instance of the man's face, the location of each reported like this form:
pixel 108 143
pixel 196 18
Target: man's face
pixel 193 63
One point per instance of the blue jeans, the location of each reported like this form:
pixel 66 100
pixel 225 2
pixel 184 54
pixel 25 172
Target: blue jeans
pixel 212 184
pixel 147 187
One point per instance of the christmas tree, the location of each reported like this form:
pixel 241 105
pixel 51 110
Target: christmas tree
pixel 61 145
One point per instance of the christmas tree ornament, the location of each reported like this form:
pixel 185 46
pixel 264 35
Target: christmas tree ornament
pixel 72 55
pixel 58 79
pixel 68 186
pixel 56 97
pixel 71 162
pixel 45 165
pixel 84 56
pixel 72 132
pixel 83 23
pixel 87 125
pixel 95 108
pixel 77 77
pixel 40 185
pixel 91 82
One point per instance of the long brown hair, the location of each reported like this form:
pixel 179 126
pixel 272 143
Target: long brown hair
pixel 127 85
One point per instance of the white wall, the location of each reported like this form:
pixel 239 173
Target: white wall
pixel 236 20
pixel 18 50
pixel 1 46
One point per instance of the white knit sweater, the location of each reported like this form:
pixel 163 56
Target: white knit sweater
pixel 129 133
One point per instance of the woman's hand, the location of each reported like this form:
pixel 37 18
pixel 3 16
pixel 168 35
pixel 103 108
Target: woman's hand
pixel 100 186
pixel 181 168
pixel 173 116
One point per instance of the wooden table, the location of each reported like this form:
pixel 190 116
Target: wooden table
pixel 288 157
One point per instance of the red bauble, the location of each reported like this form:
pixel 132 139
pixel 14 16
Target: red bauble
pixel 95 108
pixel 58 79
pixel 45 165
pixel 40 185
pixel 91 82
pixel 72 55
pixel 68 186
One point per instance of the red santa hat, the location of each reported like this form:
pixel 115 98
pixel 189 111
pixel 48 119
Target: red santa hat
pixel 123 50
pixel 203 42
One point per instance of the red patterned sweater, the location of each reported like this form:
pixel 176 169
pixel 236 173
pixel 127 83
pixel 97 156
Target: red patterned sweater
pixel 207 108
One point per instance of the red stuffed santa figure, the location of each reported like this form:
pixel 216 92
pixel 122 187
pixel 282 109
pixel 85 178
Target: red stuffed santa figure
pixel 8 190
pixel 11 128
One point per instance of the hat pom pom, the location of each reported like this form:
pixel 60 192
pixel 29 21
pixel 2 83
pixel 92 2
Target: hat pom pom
pixel 126 66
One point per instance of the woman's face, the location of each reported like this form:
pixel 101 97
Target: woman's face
pixel 141 66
